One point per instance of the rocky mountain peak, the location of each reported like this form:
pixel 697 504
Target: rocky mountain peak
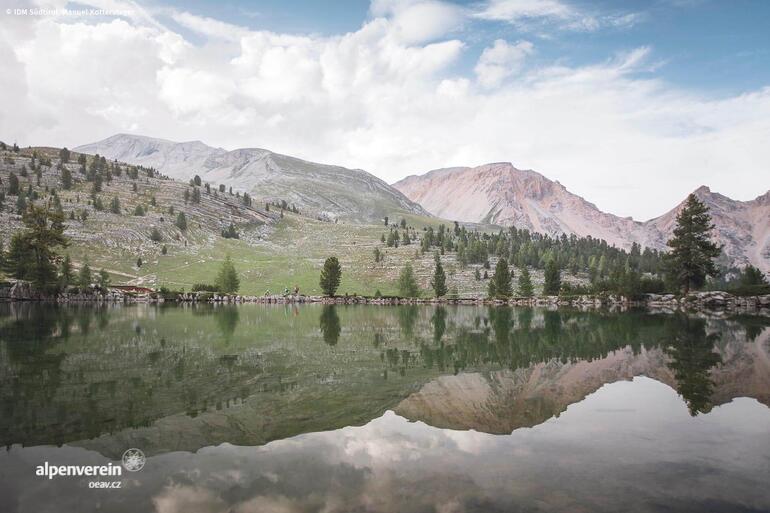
pixel 499 193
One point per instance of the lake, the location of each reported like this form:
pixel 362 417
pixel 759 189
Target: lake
pixel 366 408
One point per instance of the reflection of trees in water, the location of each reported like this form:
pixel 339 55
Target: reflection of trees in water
pixel 692 357
pixel 227 320
pixel 126 374
pixel 439 324
pixel 330 324
pixel 513 340
pixel 407 319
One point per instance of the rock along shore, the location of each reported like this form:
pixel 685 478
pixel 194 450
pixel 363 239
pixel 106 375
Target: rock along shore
pixel 710 300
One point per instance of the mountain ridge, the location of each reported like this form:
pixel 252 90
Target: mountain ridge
pixel 327 191
pixel 499 193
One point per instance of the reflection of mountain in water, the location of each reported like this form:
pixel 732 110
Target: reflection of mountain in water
pixel 172 378
pixel 502 401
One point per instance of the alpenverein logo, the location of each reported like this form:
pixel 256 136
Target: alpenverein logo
pixel 133 460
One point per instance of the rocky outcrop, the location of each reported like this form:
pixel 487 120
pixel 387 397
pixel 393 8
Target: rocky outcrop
pixel 501 194
pixel 19 290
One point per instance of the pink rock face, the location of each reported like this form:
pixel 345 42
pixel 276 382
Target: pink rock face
pixel 501 194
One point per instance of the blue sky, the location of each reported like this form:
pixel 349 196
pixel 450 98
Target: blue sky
pixel 716 46
pixel 631 104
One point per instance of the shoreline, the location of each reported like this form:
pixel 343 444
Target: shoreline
pixel 706 300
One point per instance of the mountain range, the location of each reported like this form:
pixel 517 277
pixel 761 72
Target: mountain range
pixel 495 194
pixel 502 195
pixel 327 192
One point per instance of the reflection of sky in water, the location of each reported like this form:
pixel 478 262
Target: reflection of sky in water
pixel 631 446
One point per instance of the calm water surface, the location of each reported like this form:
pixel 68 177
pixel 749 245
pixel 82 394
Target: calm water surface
pixel 334 409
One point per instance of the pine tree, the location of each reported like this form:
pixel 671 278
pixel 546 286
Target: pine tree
pixel 155 235
pixel 491 289
pixel 66 276
pixel 227 280
pixel 331 275
pixel 692 254
pixel 32 253
pixel 552 283
pixel 21 204
pixel 525 283
pixel 66 179
pixel 103 279
pixel 115 205
pixel 407 283
pixel 84 276
pixel 13 184
pixel 501 280
pixel 181 221
pixel 752 276
pixel 439 278
pixel 230 232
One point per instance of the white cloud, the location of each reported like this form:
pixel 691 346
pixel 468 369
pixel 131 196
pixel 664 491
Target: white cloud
pixel 527 14
pixel 419 21
pixel 386 98
pixel 500 61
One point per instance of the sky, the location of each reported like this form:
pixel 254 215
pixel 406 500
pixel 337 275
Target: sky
pixel 631 105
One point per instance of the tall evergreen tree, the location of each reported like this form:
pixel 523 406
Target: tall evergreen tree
pixel 66 178
pixel 407 283
pixel 13 184
pixel 552 283
pixel 500 285
pixel 103 279
pixel 227 280
pixel 525 283
pixel 115 205
pixel 181 221
pixel 32 252
pixel 66 275
pixel 331 275
pixel 439 278
pixel 84 276
pixel 692 254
